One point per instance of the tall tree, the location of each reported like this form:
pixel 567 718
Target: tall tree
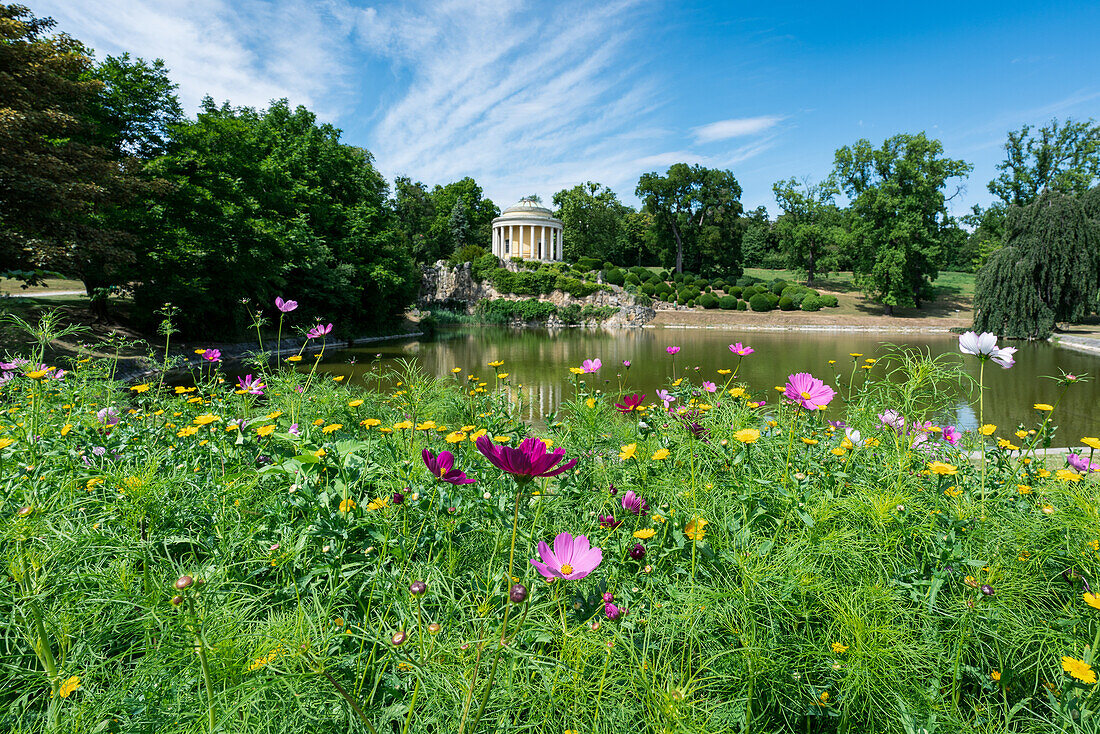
pixel 57 188
pixel 480 212
pixel 459 226
pixel 593 222
pixel 136 107
pixel 1048 271
pixel 689 198
pixel 898 199
pixel 415 211
pixel 810 230
pixel 1059 156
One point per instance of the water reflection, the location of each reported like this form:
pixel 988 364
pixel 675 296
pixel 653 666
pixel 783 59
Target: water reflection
pixel 537 361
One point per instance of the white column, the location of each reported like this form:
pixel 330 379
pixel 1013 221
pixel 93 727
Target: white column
pixel 511 240
pixel 545 243
pixel 493 246
pixel 561 244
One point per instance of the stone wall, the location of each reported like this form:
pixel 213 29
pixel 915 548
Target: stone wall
pixel 455 287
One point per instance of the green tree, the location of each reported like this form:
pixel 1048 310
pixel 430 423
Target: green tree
pixel 593 222
pixel 1060 156
pixel 480 213
pixel 1048 271
pixel 459 226
pixel 415 211
pixel 899 208
pixel 58 189
pixel 810 229
pixel 688 199
pixel 135 109
pixel 268 203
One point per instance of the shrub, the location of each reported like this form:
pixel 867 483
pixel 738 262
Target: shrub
pixel 633 279
pixel 691 303
pixel 734 290
pixel 777 286
pixel 641 272
pixel 664 289
pixel 649 289
pixel 502 312
pixel 608 266
pixel 760 302
pixel 614 276
pixel 681 300
pixel 811 303
pixel 707 289
pixel 828 300
pixel 727 303
pixel 663 275
pixel 701 283
pixel 468 254
pixel 742 305
pixel 785 303
pixel 484 266
pixel 708 301
pixel 574 287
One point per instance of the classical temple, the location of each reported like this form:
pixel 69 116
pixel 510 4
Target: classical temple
pixel 527 231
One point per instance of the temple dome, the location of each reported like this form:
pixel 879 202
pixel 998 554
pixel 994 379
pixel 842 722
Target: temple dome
pixel 526 209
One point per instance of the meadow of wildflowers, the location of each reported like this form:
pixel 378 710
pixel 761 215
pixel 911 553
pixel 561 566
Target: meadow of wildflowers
pixel 286 552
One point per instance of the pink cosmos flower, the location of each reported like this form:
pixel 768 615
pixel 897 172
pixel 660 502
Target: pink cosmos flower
pixel 613 612
pixel 626 363
pixel 984 346
pixel 285 306
pixel 108 416
pixel 951 435
pixel 893 419
pixel 808 391
pixel 591 365
pixel 442 467
pixel 666 397
pixel 570 559
pixel 318 331
pixel 527 461
pixel 251 385
pixel 709 386
pixel 293 430
pixel 608 522
pixel 741 350
pixel 672 350
pixel 212 355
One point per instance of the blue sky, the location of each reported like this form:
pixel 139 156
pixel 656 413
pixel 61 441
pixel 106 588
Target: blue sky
pixel 532 97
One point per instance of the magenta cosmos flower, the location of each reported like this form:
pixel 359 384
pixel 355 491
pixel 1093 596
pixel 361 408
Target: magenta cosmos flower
pixel 634 503
pixel 672 350
pixel 285 306
pixel 741 350
pixel 571 558
pixel 442 467
pixel 318 331
pixel 591 365
pixel 808 391
pixel 629 403
pixel 527 461
pixel 212 355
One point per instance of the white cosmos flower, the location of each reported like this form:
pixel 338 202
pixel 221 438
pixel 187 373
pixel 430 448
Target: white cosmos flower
pixel 984 346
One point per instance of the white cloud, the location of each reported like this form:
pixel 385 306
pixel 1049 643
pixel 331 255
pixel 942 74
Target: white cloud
pixel 736 128
pixel 247 53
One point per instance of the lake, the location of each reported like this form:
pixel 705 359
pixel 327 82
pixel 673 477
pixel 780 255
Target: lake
pixel 539 360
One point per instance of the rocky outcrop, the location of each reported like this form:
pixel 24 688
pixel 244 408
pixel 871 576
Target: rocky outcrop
pixel 456 288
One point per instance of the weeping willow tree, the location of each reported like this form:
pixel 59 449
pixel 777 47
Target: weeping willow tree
pixel 1048 271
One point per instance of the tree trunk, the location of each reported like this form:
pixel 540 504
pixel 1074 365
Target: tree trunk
pixel 679 248
pixel 888 309
pixel 810 270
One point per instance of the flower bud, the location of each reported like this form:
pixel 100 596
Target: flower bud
pixel 637 552
pixel 398 638
pixel 608 597
pixel 434 628
pixel 24 511
pixel 398 498
pixel 518 593
pixel 183 582
pixel 987 589
pixel 416 588
pixel 177 600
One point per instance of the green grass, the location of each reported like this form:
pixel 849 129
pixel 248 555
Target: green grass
pixel 9 286
pixel 835 587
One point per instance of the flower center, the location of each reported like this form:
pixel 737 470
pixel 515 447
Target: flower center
pixel 566 569
pixel 806 396
pixel 442 472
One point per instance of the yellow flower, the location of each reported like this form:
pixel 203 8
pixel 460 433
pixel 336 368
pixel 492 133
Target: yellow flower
pixel 347 505
pixel 660 454
pixel 5 442
pixel 658 518
pixel 502 376
pixel 953 491
pixel 355 403
pixel 332 427
pixel 69 686
pixel 942 469
pixel 295 358
pixel 497 363
pixel 273 416
pixel 747 435
pixel 402 426
pixel 502 439
pixel 696 529
pixel 456 370
pixel 838 451
pixel 810 441
pixel 854 354
pixel 839 649
pixel 575 370
pixel 1092 600
pixel 1006 444
pixel 477 434
pixel 724 372
pixel 677 382
pixel 425 426
pixel 1068 475
pixel 1092 443
pixel 338 378
pixel 456 437
pixel 188 431
pixel 1043 407
pixel 140 388
pixel 1021 434
pixel 736 392
pixel 370 422
pixel 200 351
pixel 628 452
pixel 591 403
pixel 64 429
pixel 995 675
pixel 319 453
pixel 266 430
pixel 1080 670
pixel 38 374
pixel 832 361
pixel 377 503
pixel 644 533
pixel 205 420
pixel 988 429
pixel 1023 489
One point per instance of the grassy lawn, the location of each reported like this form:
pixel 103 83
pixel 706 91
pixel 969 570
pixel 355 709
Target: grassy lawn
pixel 10 286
